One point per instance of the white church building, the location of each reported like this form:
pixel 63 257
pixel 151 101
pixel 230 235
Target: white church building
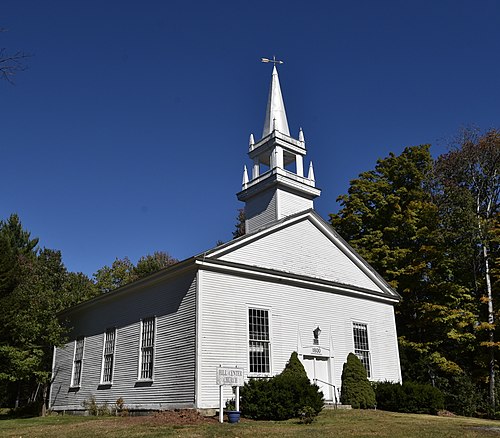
pixel 291 283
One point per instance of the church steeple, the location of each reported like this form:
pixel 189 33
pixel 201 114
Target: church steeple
pixel 277 187
pixel 275 112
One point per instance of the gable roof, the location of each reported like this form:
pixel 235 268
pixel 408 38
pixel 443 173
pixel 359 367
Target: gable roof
pixel 305 246
pixel 298 265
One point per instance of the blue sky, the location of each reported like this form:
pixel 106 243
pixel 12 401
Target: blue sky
pixel 129 131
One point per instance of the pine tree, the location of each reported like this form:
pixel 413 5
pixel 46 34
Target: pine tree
pixel 356 389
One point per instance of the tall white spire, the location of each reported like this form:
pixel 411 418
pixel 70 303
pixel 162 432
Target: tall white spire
pixel 275 113
pixel 278 187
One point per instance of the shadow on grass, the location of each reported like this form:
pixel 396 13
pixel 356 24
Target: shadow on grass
pixel 20 413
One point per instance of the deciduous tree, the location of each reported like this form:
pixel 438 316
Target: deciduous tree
pixel 469 177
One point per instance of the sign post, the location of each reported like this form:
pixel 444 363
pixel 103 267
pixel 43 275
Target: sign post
pixel 229 376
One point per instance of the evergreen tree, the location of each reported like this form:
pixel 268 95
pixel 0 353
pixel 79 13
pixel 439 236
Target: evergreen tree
pixel 282 397
pixel 35 286
pixel 356 390
pixel 240 224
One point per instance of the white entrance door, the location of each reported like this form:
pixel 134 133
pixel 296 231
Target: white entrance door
pixel 317 369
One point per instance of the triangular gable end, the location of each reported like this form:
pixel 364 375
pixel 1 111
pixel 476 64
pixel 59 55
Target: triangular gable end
pixel 304 245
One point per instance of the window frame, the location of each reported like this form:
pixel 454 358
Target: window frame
pixel 365 353
pixel 141 348
pixel 79 361
pixel 267 373
pixel 112 354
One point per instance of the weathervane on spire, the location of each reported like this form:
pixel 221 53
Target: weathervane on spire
pixel 274 60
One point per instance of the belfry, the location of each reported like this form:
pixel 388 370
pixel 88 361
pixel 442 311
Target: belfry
pixel 278 187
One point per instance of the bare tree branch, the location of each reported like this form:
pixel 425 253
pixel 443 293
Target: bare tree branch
pixel 11 64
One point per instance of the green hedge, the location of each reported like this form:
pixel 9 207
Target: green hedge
pixel 409 397
pixel 283 396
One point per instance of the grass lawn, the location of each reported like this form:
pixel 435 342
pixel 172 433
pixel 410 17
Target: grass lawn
pixel 341 423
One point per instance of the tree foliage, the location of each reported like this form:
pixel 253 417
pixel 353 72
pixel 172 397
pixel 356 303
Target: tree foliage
pixel 469 185
pixel 409 397
pixel 34 287
pixel 239 229
pixel 391 218
pixel 123 271
pixel 430 227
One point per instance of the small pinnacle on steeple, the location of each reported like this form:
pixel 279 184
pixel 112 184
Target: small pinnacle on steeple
pixel 301 136
pixel 245 177
pixel 310 174
pixel 251 142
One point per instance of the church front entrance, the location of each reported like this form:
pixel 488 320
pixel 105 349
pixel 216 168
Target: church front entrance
pixel 318 371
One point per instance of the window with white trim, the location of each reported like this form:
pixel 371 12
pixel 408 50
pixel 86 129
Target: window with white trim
pixel 147 349
pixel 361 347
pixel 108 355
pixel 77 361
pixel 259 341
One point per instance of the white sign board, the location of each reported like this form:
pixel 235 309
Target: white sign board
pixel 230 376
pixel 315 350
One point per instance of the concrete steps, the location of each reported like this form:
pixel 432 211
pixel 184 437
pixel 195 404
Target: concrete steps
pixel 330 405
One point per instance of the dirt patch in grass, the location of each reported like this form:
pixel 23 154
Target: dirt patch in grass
pixel 176 417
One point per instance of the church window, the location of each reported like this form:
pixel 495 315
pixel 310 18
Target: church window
pixel 108 355
pixel 361 347
pixel 77 361
pixel 259 340
pixel 147 349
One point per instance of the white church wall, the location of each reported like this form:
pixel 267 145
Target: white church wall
pixel 301 248
pixel 294 313
pixel 172 302
pixel 260 211
pixel 290 203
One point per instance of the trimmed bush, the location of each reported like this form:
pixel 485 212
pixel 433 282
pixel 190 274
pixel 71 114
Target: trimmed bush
pixel 356 389
pixel 409 397
pixel 284 396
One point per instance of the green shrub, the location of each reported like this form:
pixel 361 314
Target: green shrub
pixel 390 396
pixel 463 397
pixel 90 405
pixel 93 408
pixel 409 397
pixel 307 415
pixel 283 396
pixel 356 389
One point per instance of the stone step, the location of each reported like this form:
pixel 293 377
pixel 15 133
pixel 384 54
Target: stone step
pixel 330 405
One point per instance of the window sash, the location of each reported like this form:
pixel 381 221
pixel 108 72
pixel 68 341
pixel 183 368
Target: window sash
pixel 361 345
pixel 259 341
pixel 77 362
pixel 108 355
pixel 147 349
pixel 107 373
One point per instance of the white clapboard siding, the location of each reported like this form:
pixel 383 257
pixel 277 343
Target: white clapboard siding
pixel 301 248
pixel 261 210
pixel 173 302
pixel 290 203
pixel 296 311
pixel 63 365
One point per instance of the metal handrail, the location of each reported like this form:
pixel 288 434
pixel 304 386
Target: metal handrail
pixel 334 389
